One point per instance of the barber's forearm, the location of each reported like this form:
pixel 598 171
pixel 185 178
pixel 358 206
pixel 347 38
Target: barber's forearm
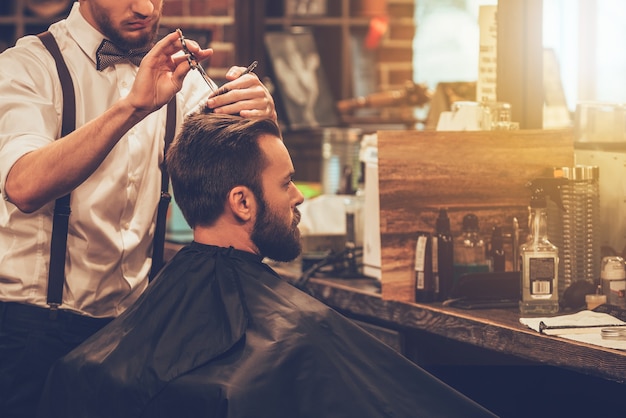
pixel 54 170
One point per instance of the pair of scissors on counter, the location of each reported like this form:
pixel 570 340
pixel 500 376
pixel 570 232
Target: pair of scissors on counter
pixel 195 64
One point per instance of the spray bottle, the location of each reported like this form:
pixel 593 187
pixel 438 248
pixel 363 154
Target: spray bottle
pixel 539 258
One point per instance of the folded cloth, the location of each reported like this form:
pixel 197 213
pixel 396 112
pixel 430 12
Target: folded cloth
pixel 579 322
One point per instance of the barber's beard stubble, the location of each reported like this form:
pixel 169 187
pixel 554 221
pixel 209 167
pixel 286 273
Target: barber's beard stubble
pixel 276 239
pixel 115 36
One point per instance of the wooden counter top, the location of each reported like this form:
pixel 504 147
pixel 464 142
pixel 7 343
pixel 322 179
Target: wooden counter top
pixel 493 329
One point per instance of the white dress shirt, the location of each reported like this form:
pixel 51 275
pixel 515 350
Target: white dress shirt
pixel 113 212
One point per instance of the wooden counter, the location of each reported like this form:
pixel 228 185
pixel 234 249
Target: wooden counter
pixel 493 329
pixel 517 371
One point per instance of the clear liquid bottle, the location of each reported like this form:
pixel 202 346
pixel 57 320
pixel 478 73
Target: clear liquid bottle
pixel 539 258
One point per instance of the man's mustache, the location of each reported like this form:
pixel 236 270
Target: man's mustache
pixel 296 216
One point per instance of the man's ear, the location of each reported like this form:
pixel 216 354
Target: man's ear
pixel 241 203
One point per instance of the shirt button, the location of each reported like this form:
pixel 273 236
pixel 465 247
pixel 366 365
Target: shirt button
pixel 126 225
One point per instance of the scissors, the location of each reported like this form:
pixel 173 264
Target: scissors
pixel 193 62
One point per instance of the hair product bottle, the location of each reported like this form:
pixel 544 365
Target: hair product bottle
pixel 470 253
pixel 443 251
pixel 496 252
pixel 539 258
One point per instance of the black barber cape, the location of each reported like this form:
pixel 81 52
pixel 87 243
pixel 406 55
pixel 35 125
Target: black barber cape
pixel 219 334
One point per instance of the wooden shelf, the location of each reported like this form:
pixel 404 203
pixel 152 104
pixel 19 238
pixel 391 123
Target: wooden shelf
pixel 16 20
pixel 317 21
pixel 333 33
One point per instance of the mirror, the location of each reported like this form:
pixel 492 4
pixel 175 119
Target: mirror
pixel 582 59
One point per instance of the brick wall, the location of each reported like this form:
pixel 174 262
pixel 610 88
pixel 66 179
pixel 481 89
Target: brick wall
pixel 393 57
pixel 197 16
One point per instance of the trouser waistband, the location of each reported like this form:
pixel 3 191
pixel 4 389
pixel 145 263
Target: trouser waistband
pixel 13 313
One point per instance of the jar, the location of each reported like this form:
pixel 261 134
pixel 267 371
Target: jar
pixel 613 279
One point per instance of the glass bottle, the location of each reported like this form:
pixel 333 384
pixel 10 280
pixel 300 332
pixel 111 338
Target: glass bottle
pixel 496 253
pixel 445 256
pixel 470 255
pixel 539 263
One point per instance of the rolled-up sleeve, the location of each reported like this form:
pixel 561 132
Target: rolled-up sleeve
pixel 30 104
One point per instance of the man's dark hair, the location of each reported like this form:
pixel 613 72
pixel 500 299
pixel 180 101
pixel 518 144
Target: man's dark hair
pixel 212 154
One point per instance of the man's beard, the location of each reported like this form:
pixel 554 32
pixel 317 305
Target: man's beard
pixel 109 31
pixel 275 239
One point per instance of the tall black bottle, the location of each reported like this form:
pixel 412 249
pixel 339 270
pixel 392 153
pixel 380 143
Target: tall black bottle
pixel 444 276
pixel 496 252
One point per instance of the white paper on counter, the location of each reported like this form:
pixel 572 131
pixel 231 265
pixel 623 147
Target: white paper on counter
pixel 584 326
pixel 596 339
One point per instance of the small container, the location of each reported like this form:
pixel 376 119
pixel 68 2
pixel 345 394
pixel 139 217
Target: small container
pixel 613 277
pixel 594 301
pixel 613 333
pixel 499 115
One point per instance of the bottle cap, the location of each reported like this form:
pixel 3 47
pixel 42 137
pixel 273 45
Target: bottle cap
pixel 470 222
pixel 443 221
pixel 613 268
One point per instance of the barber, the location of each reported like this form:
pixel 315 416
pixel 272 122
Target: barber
pixel 110 164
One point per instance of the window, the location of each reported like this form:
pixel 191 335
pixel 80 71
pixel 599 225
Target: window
pixel 587 37
pixel 446 40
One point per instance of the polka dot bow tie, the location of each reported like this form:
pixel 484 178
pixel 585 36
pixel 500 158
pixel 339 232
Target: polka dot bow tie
pixel 109 54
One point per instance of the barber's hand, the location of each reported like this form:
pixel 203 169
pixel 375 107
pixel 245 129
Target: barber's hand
pixel 244 95
pixel 161 74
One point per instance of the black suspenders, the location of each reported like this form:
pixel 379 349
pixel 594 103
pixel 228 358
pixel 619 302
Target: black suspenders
pixel 56 276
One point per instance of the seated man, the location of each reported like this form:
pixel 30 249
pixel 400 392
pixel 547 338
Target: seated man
pixel 218 333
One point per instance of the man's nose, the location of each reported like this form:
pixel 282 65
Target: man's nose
pixel 143 7
pixel 299 196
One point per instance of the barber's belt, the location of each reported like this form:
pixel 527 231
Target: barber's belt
pixel 12 312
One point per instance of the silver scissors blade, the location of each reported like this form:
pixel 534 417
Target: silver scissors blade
pixel 193 62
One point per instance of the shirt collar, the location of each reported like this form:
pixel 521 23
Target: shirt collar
pixel 86 36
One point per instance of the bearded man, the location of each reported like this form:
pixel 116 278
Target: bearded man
pixel 218 333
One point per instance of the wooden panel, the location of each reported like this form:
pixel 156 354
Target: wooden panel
pixel 483 172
